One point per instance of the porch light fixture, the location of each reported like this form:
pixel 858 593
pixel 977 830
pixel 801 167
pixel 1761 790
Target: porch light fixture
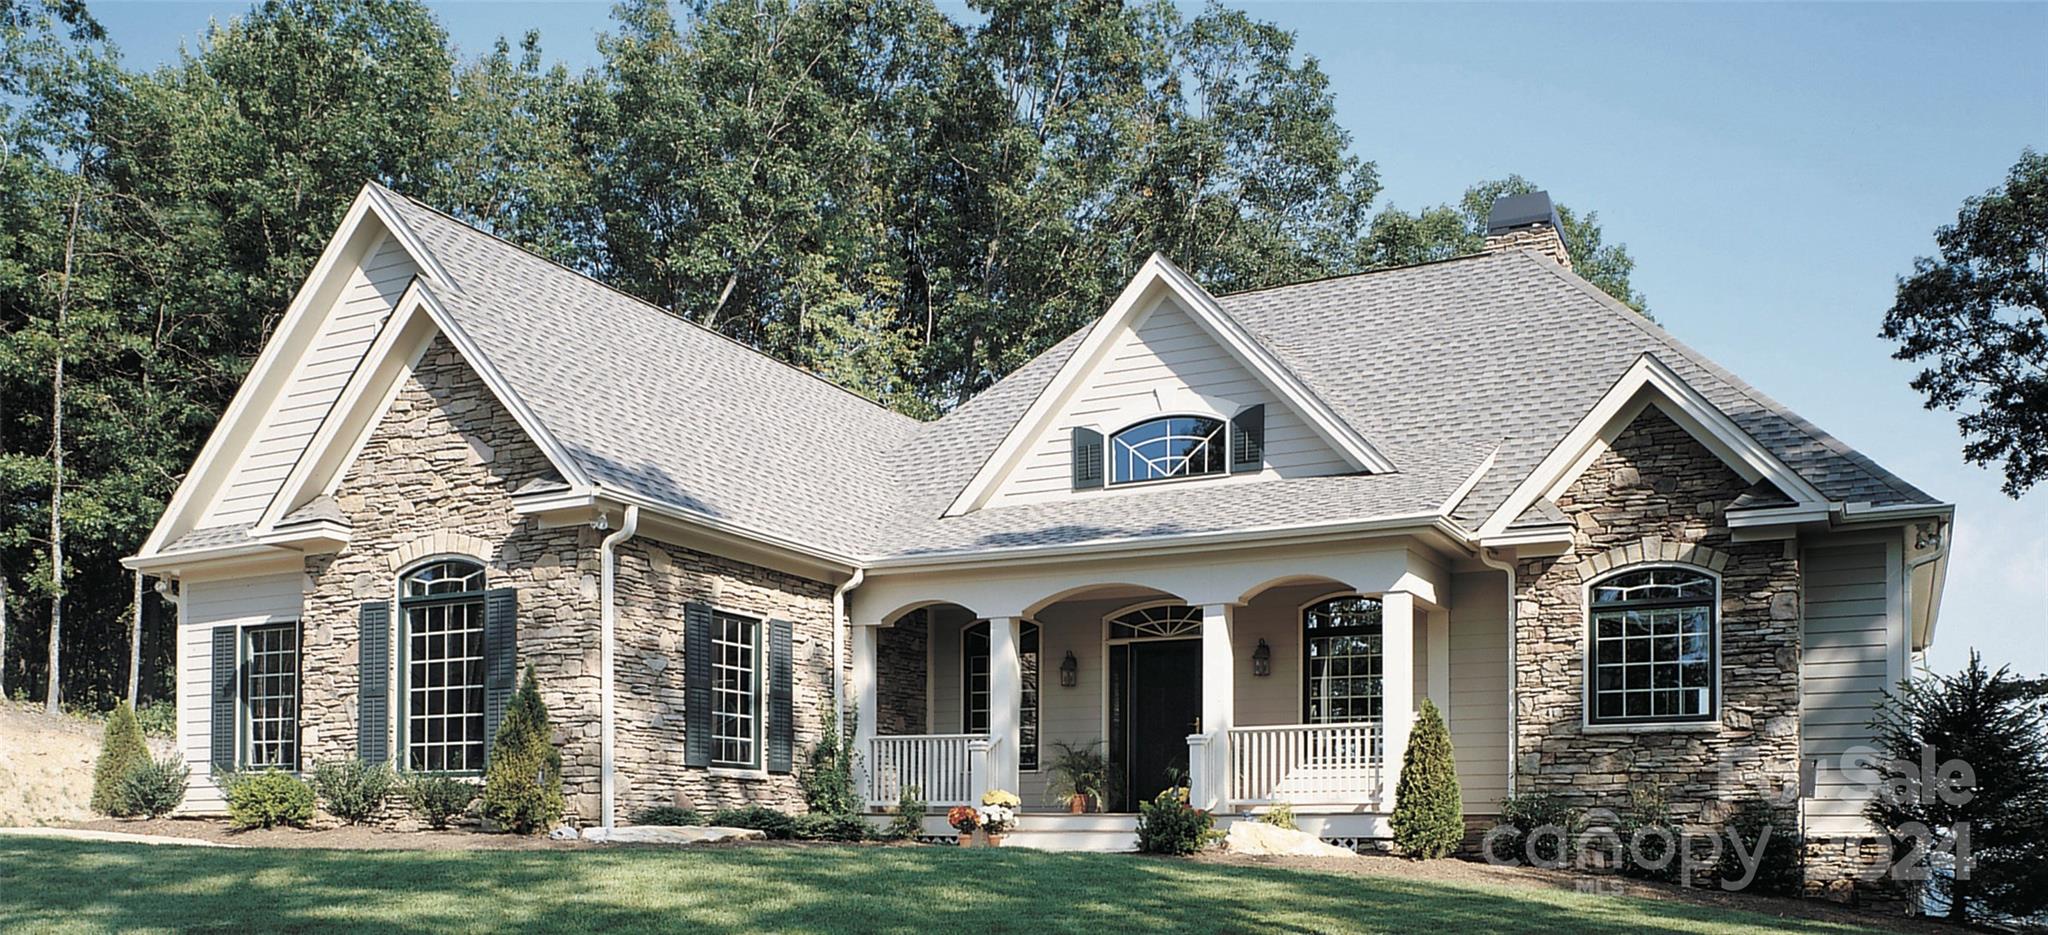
pixel 1262 659
pixel 1070 671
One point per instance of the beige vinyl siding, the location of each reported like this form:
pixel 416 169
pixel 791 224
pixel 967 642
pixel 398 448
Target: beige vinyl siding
pixel 1167 354
pixel 360 309
pixel 1845 667
pixel 1479 687
pixel 237 602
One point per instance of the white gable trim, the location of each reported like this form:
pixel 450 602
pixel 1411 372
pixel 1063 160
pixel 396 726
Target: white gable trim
pixel 1649 382
pixel 278 360
pixel 1155 281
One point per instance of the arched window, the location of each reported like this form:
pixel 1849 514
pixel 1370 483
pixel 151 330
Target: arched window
pixel 442 670
pixel 1651 652
pixel 1341 661
pixel 1166 448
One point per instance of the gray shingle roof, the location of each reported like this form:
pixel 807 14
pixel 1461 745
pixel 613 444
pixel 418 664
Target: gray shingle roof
pixel 1437 365
pixel 209 538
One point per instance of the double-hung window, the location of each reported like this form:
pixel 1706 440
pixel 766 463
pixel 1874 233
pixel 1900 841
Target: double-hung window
pixel 1650 656
pixel 443 667
pixel 1341 656
pixel 974 680
pixel 735 691
pixel 270 696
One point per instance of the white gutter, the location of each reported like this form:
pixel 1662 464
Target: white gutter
pixel 1943 532
pixel 839 625
pixel 608 626
pixel 1514 740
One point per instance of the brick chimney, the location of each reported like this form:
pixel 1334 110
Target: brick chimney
pixel 1527 221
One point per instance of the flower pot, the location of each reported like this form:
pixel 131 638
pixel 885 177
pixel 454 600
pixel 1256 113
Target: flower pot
pixel 1077 805
pixel 966 839
pixel 995 840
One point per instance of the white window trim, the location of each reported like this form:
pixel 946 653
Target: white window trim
pixel 1685 725
pixel 244 726
pixel 759 767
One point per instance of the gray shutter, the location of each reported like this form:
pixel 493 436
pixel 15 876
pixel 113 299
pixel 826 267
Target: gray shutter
pixel 373 682
pixel 501 659
pixel 226 672
pixel 781 720
pixel 696 685
pixel 1087 458
pixel 1248 439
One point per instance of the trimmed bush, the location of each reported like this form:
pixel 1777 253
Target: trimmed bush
pixel 818 826
pixel 267 799
pixel 667 815
pixel 121 752
pixel 1428 820
pixel 1779 872
pixel 908 822
pixel 156 788
pixel 353 790
pixel 439 799
pixel 1549 822
pixel 758 817
pixel 523 787
pixel 1167 825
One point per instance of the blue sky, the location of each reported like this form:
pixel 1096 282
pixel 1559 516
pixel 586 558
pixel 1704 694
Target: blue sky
pixel 1771 167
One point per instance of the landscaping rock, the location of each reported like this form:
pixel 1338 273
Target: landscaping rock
pixel 1259 838
pixel 564 833
pixel 671 834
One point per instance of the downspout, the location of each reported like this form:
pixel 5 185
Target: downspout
pixel 163 590
pixel 608 627
pixel 1514 735
pixel 839 625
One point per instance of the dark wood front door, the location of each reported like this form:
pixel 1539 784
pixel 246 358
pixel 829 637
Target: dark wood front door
pixel 1161 703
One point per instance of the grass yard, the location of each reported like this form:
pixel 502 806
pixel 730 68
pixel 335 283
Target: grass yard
pixel 70 886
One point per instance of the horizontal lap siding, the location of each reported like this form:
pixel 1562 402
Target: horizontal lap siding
pixel 358 312
pixel 1844 672
pixel 1479 688
pixel 1169 352
pixel 236 602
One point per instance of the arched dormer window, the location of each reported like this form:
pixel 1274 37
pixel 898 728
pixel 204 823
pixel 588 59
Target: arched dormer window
pixel 1651 647
pixel 442 670
pixel 1167 448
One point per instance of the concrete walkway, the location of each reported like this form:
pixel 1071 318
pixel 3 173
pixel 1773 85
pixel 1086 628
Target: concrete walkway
pixel 117 837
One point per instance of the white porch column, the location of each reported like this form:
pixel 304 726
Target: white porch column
pixel 1397 685
pixel 865 708
pixel 1440 661
pixel 1210 784
pixel 1005 700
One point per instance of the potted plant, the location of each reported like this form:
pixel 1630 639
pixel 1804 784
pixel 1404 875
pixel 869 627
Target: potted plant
pixel 998 814
pixel 964 820
pixel 1080 776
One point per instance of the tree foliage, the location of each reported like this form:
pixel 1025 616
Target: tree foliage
pixel 1978 315
pixel 1429 818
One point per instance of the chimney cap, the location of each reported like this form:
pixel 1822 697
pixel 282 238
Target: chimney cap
pixel 1513 211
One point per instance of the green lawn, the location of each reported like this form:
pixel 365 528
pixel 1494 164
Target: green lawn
pixel 67 886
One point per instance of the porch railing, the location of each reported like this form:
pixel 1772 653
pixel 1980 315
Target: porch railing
pixel 1305 764
pixel 940 766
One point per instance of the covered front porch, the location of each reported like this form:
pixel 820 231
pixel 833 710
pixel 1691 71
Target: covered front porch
pixel 1282 676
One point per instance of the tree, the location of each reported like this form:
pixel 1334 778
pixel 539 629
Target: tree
pixel 1429 818
pixel 1976 314
pixel 523 785
pixel 122 751
pixel 1985 734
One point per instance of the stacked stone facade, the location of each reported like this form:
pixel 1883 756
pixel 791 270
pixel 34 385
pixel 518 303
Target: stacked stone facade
pixel 1658 495
pixel 1541 238
pixel 901 676
pixel 436 478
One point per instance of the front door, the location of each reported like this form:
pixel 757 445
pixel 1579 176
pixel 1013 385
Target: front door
pixel 1162 705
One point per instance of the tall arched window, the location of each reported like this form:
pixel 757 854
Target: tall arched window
pixel 1166 448
pixel 442 669
pixel 1341 661
pixel 974 683
pixel 1651 652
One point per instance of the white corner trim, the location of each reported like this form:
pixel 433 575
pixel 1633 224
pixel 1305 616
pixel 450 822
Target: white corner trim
pixel 1457 497
pixel 1649 382
pixel 1154 281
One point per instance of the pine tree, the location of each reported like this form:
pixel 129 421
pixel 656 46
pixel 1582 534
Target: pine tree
pixel 1428 820
pixel 523 786
pixel 121 752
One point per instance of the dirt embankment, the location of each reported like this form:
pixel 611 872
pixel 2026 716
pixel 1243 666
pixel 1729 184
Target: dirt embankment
pixel 46 765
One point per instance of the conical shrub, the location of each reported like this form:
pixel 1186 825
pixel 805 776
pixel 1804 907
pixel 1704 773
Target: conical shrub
pixel 523 786
pixel 122 751
pixel 1428 820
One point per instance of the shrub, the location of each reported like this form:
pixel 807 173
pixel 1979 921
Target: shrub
pixel 1281 815
pixel 758 817
pixel 439 799
pixel 827 780
pixel 1779 872
pixel 1428 820
pixel 1167 825
pixel 817 826
pixel 267 799
pixel 667 815
pixel 353 790
pixel 1523 816
pixel 121 752
pixel 158 719
pixel 156 788
pixel 1649 837
pixel 909 820
pixel 523 787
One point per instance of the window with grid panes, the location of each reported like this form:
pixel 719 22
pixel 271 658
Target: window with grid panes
pixel 270 696
pixel 735 691
pixel 974 684
pixel 443 667
pixel 1651 651
pixel 1341 661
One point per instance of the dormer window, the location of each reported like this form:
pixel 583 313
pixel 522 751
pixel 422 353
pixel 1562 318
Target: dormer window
pixel 1167 448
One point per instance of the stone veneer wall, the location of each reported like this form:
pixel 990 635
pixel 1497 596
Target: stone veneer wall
pixel 1659 493
pixel 900 675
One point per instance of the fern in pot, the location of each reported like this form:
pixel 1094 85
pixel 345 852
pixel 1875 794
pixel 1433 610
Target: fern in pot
pixel 1081 776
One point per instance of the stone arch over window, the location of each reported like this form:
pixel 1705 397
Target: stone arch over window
pixel 1653 549
pixel 442 542
pixel 1653 645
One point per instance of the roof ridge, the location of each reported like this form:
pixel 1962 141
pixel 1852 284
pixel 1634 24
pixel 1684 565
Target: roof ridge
pixel 1361 274
pixel 664 313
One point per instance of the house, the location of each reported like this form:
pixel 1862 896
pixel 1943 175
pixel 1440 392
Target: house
pixel 1238 538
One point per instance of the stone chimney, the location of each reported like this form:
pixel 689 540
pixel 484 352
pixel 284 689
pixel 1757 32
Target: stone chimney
pixel 1527 221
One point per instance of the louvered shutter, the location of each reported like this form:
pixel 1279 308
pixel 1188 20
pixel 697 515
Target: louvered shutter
pixel 1087 448
pixel 1248 440
pixel 501 659
pixel 696 685
pixel 373 686
pixel 226 676
pixel 781 719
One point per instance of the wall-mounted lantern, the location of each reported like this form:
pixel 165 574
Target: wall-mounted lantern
pixel 1262 659
pixel 1070 671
